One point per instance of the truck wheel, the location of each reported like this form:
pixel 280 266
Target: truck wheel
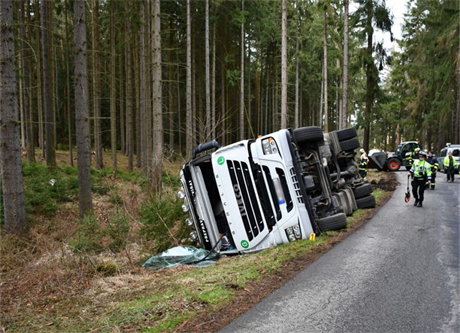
pixel 333 222
pixel 366 202
pixel 347 133
pixel 394 164
pixel 310 133
pixel 362 190
pixel 349 145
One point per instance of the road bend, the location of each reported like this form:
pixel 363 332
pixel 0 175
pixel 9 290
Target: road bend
pixel 399 273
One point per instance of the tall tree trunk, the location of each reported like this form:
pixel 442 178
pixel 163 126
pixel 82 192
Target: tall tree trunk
pixel 142 86
pixel 39 74
pixel 129 94
pixel 26 88
pixel 157 160
pixel 344 119
pixel 457 117
pixel 326 112
pixel 10 150
pixel 47 90
pixel 284 114
pixel 369 78
pixel 213 83
pixel 296 110
pixel 113 88
pixel 189 120
pixel 67 68
pixel 97 85
pixel 81 110
pixel 241 124
pixel 171 95
pixel 208 74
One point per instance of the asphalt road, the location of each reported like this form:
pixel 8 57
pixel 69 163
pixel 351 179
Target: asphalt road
pixel 399 273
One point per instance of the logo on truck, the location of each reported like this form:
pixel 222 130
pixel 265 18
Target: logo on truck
pixel 239 200
pixel 221 160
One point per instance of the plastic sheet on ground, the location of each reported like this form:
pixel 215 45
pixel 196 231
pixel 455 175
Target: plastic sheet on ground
pixel 186 255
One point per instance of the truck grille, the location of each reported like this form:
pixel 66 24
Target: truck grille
pixel 246 198
pixel 295 182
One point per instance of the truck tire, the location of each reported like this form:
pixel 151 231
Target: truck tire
pixel 366 202
pixel 349 145
pixel 310 133
pixel 347 133
pixel 394 164
pixel 362 190
pixel 333 222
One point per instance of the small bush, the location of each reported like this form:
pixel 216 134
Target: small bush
pixel 107 269
pixel 117 231
pixel 89 235
pixel 163 222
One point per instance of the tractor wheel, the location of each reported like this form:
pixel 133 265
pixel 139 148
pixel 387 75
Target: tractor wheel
pixel 394 164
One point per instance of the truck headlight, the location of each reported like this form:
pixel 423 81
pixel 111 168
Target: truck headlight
pixel 193 235
pixel 269 146
pixel 188 221
pixel 293 233
pixel 185 207
pixel 181 194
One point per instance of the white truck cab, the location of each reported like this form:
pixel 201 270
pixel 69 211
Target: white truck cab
pixel 255 194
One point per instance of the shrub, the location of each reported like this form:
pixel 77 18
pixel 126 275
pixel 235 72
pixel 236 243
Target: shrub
pixel 162 219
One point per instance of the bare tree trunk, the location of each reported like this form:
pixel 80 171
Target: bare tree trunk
pixel 188 122
pixel 241 136
pixel 67 68
pixel 26 88
pixel 47 92
pixel 296 111
pixel 171 85
pixel 113 89
pixel 129 95
pixel 284 114
pixel 81 110
pixel 326 113
pixel 208 75
pixel 457 117
pixel 39 74
pixel 213 84
pixel 142 86
pixel 97 86
pixel 157 160
pixel 344 118
pixel 10 150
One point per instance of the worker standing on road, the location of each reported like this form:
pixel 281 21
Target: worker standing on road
pixel 414 155
pixel 421 173
pixel 450 164
pixel 363 161
pixel 434 168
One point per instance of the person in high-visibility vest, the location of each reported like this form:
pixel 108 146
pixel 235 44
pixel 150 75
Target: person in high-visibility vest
pixel 434 168
pixel 421 173
pixel 450 164
pixel 362 165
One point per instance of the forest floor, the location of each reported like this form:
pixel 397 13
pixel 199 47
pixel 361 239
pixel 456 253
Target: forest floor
pixel 45 286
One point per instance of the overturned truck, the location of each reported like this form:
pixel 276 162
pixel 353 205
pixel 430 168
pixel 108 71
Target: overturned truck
pixel 278 188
